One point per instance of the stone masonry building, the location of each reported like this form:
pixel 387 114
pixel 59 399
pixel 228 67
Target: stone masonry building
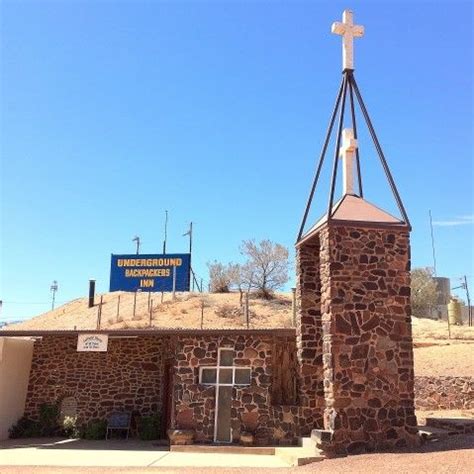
pixel 344 375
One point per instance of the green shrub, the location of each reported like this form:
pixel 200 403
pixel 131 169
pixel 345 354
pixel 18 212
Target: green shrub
pixel 95 429
pixel 149 427
pixel 48 419
pixel 25 428
pixel 46 426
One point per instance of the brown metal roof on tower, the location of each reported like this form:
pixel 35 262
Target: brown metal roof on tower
pixel 352 207
pixel 356 210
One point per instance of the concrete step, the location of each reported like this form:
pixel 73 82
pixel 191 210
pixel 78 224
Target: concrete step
pixel 299 456
pixel 222 449
pixel 307 443
pixel 291 455
pixel 458 425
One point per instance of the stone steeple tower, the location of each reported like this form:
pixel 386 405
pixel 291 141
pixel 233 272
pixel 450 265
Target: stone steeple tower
pixel 355 343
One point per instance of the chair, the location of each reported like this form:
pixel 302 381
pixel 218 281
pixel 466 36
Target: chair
pixel 118 421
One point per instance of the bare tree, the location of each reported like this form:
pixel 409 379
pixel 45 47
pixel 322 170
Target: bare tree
pixel 242 278
pixel 223 277
pixel 424 294
pixel 266 269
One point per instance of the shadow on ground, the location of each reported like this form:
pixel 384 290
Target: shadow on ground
pixel 103 445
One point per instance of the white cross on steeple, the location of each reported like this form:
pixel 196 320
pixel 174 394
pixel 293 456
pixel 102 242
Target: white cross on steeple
pixel 348 31
pixel 347 153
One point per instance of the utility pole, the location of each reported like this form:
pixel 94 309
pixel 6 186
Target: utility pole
pixel 466 288
pixel 53 288
pixel 166 232
pixel 190 233
pixel 433 243
pixel 469 310
pixel 137 240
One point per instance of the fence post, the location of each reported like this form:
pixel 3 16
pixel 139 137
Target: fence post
pixel 99 313
pixel 293 306
pixel 202 313
pixel 247 317
pixel 151 312
pixel 118 309
pixel 174 283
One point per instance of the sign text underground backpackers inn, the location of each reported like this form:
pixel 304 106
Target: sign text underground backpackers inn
pixel 150 272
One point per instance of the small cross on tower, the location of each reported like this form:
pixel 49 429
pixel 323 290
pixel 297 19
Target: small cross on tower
pixel 347 153
pixel 348 31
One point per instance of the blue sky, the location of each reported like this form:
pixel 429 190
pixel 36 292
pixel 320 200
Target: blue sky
pixel 112 112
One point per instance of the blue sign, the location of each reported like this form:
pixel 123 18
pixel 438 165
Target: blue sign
pixel 150 272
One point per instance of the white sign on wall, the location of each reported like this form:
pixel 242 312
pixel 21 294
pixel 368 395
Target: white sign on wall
pixel 92 342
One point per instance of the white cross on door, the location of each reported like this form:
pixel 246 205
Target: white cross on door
pixel 224 377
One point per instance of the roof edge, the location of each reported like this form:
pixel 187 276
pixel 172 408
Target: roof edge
pixel 146 332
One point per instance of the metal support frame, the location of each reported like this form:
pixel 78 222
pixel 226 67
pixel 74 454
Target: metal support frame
pixel 388 174
pixel 321 159
pixel 338 145
pixel 354 127
pixel 348 83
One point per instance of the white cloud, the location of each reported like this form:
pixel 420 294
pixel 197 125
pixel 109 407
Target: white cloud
pixel 459 220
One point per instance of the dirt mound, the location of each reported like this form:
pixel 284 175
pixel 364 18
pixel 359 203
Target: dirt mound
pixel 188 310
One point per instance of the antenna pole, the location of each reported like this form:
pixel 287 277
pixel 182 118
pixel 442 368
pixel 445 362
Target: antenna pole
pixel 166 232
pixel 190 254
pixel 137 240
pixel 432 242
pixel 190 237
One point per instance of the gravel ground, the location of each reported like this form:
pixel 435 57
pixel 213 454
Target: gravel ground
pixel 454 358
pixel 452 455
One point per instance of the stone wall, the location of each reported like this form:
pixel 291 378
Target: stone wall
pixel 309 332
pixel 367 348
pixel 126 377
pixel 130 376
pixel 252 407
pixel 444 393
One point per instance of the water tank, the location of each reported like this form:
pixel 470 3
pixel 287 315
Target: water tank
pixel 443 286
pixel 455 312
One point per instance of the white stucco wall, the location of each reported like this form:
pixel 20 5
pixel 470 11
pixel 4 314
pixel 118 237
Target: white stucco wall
pixel 15 365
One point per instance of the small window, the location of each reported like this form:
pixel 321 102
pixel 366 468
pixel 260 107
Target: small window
pixel 226 357
pixel 225 376
pixel 208 375
pixel 242 376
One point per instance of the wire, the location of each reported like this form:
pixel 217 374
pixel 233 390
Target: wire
pixel 30 303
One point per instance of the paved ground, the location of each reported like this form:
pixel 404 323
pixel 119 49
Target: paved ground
pixel 118 453
pixel 453 455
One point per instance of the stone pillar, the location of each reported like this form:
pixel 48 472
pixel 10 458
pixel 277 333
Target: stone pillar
pixel 368 347
pixel 309 334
